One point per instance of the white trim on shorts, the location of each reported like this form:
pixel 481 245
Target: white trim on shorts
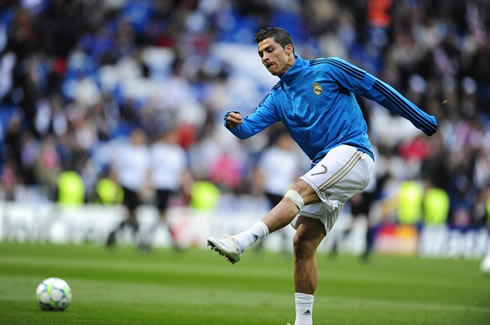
pixel 343 172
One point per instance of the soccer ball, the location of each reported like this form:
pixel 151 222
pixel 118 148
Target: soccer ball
pixel 53 294
pixel 485 265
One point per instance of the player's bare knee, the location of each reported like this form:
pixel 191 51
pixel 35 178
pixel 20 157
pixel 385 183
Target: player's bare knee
pixel 304 189
pixel 301 194
pixel 296 198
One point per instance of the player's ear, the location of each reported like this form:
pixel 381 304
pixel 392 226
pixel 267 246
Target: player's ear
pixel 289 49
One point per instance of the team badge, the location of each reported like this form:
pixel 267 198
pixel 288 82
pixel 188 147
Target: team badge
pixel 317 89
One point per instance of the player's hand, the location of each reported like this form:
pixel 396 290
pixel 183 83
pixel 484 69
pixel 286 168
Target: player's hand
pixel 233 119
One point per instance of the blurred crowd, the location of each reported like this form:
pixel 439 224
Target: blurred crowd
pixel 78 76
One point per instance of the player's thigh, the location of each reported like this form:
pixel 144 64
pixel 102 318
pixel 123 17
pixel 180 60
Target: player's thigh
pixel 343 172
pixel 131 199
pixel 322 212
pixel 162 199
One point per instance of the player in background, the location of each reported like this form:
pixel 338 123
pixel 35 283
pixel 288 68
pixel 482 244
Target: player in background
pixel 131 166
pixel 315 100
pixel 276 178
pixel 168 173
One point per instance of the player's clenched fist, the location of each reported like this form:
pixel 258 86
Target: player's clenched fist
pixel 233 119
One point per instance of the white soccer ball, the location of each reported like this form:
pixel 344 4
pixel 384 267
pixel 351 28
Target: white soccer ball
pixel 485 265
pixel 53 294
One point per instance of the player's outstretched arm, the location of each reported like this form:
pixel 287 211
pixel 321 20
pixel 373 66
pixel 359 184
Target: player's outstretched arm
pixel 259 119
pixel 364 84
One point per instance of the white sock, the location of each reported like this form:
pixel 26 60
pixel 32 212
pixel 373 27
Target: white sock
pixel 304 309
pixel 251 235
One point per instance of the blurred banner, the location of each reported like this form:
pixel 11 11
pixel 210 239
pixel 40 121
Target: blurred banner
pixel 92 223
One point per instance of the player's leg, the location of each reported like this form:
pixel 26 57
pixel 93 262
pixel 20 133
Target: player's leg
pixel 345 175
pixel 233 247
pixel 163 205
pixel 273 200
pixel 333 181
pixel 132 222
pixel 309 234
pixel 300 194
pixel 343 172
pixel 364 211
pixel 162 198
pixel 130 203
pixel 369 239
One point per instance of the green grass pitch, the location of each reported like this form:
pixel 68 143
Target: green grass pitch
pixel 125 286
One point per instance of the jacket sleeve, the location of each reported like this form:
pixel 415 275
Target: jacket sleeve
pixel 263 116
pixel 364 84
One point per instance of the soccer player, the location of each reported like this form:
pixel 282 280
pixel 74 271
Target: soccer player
pixel 168 167
pixel 316 102
pixel 132 167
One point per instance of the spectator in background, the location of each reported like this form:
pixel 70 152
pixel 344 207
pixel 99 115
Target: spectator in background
pixel 12 143
pixel 9 180
pixel 132 167
pixel 48 162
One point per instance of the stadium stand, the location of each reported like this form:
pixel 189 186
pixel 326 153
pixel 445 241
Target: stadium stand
pixel 76 77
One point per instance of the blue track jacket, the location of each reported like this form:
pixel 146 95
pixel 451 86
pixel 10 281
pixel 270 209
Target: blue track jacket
pixel 315 101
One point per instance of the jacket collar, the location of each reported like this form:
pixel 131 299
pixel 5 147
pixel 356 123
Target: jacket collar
pixel 296 70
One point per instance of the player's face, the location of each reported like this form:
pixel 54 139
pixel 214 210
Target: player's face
pixel 274 57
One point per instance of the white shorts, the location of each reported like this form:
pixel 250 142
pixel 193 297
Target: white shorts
pixel 343 172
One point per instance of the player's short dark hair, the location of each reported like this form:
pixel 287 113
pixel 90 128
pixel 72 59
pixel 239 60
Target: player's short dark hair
pixel 280 35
